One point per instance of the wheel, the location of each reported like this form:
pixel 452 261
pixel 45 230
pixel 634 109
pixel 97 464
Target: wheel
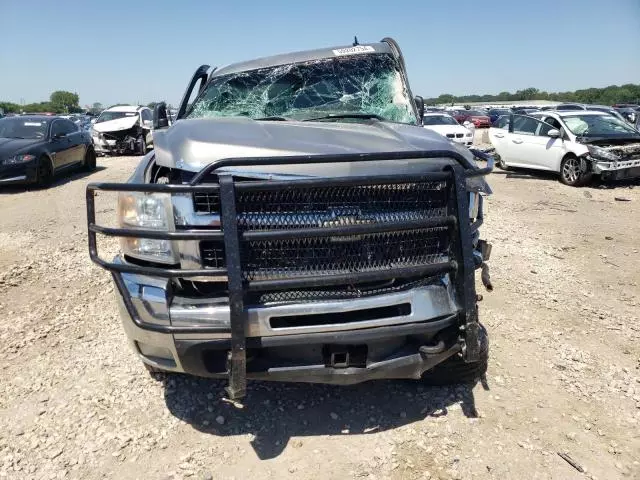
pixel 154 372
pixel 571 172
pixel 456 370
pixel 45 173
pixel 501 165
pixel 90 160
pixel 142 144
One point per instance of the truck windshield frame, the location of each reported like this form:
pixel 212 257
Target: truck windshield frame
pixel 368 84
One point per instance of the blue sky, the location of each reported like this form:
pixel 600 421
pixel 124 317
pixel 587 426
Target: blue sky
pixel 140 51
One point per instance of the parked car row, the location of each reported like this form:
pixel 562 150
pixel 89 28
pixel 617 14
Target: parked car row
pixel 626 112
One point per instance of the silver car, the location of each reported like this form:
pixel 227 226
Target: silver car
pixel 297 223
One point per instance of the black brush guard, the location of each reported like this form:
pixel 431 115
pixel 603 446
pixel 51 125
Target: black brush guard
pixel 460 263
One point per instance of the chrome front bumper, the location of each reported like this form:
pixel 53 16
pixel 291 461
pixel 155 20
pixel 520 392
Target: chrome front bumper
pixel 155 306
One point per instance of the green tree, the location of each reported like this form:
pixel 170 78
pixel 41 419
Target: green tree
pixel 38 107
pixel 64 101
pixel 9 107
pixel 628 93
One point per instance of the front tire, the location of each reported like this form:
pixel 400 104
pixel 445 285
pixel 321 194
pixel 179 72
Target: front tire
pixel 455 370
pixel 154 372
pixel 44 176
pixel 90 160
pixel 501 165
pixel 142 145
pixel 571 172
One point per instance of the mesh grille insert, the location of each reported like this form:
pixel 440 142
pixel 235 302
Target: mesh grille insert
pixel 339 293
pixel 335 206
pixel 206 202
pixel 335 255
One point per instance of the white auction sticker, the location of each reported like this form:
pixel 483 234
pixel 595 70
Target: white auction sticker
pixel 354 50
pixel 32 124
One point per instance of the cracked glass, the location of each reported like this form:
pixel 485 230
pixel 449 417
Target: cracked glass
pixel 359 84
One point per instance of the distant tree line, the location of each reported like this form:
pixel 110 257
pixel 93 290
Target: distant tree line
pixel 628 93
pixel 60 101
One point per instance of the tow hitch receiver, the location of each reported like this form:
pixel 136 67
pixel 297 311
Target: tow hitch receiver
pixel 345 356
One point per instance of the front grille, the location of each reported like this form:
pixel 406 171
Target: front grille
pixel 450 135
pixel 459 135
pixel 212 254
pixel 330 207
pixel 339 206
pixel 334 255
pixel 206 202
pixel 337 255
pixel 339 293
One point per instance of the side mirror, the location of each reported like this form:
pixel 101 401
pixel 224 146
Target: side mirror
pixel 147 123
pixel 554 133
pixel 420 106
pixel 160 117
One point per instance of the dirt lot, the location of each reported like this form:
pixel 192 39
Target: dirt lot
pixel 564 372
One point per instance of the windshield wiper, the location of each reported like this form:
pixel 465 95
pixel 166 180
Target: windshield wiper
pixel 331 116
pixel 274 119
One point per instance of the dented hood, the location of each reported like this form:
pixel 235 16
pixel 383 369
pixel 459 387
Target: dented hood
pixel 193 144
pixel 124 123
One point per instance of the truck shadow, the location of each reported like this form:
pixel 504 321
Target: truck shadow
pixel 275 412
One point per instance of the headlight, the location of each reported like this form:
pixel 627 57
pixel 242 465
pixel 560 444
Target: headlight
pixel 19 159
pixel 602 154
pixel 474 205
pixel 148 211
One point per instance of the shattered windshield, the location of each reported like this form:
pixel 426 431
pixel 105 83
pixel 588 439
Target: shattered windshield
pixel 357 84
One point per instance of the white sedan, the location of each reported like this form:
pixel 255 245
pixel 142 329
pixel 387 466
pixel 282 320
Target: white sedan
pixel 447 126
pixel 576 144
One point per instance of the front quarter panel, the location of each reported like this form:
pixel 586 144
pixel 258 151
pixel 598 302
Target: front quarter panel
pixel 140 174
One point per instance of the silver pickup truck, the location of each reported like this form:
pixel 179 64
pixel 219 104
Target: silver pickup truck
pixel 296 223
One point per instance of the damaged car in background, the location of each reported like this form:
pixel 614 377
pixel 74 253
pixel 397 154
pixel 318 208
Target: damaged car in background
pixel 297 223
pixel 122 130
pixel 576 144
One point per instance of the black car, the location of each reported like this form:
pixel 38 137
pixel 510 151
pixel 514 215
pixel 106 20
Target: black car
pixel 524 110
pixel 496 113
pixel 33 148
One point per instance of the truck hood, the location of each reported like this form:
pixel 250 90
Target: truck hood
pixel 193 144
pixel 118 124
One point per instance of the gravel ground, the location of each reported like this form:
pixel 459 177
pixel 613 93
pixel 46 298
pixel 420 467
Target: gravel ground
pixel 564 374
